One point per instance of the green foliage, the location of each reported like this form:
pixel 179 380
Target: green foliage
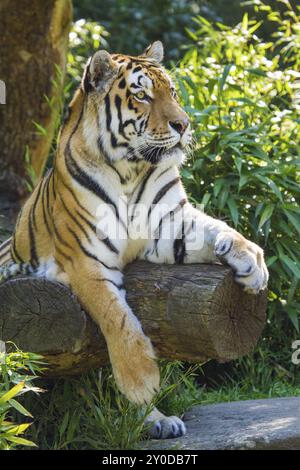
pixel 90 413
pixel 134 24
pixel 17 371
pixel 259 375
pixel 86 37
pixel 85 413
pixel 243 97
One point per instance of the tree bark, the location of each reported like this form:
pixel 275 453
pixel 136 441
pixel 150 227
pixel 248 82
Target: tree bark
pixel 33 45
pixel 190 312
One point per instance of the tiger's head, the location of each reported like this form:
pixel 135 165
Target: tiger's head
pixel 135 109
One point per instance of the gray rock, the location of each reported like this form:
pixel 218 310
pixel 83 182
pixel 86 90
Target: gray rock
pixel 252 424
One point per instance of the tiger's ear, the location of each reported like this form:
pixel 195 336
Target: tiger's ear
pixel 155 51
pixel 100 73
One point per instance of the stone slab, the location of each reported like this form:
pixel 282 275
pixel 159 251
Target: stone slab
pixel 252 424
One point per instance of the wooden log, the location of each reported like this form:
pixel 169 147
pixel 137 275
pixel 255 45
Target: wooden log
pixel 190 312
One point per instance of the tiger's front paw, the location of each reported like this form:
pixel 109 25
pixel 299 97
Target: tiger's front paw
pixel 167 427
pixel 245 257
pixel 135 369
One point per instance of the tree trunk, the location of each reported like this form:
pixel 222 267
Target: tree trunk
pixel 190 312
pixel 33 45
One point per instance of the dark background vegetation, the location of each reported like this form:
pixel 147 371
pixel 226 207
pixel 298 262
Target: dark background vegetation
pixel 166 20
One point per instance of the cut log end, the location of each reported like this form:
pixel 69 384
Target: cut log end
pixel 190 312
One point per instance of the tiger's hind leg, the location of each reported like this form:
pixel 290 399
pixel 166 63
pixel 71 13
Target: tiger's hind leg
pixel 100 291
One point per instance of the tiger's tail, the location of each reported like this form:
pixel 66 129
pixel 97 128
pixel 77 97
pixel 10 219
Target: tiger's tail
pixel 5 256
pixel 8 268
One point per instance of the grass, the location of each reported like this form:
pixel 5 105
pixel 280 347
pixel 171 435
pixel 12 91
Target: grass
pixel 89 412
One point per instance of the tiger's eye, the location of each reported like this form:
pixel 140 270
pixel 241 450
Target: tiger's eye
pixel 141 95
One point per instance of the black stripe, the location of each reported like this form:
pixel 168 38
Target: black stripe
pixel 102 150
pixel 122 83
pixel 76 199
pixel 137 69
pixel 122 180
pixel 74 129
pixel 161 193
pixel 118 286
pixel 179 247
pixel 88 253
pixel 44 212
pixel 86 83
pixel 163 172
pixel 60 265
pixel 108 112
pixel 146 123
pixel 191 227
pixel 60 239
pixel 53 186
pixel 75 220
pixel 90 184
pixel 118 103
pixel 105 240
pixel 33 253
pixel 171 214
pixel 5 243
pixel 143 185
pixel 134 85
pixel 128 122
pixel 33 207
pixel 32 226
pixel 114 142
pixel 139 80
pixel 2 255
pixel 64 255
pixel 14 252
pixel 47 193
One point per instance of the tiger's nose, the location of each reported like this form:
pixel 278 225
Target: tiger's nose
pixel 180 125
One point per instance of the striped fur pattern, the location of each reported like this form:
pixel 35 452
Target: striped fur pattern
pixel 114 195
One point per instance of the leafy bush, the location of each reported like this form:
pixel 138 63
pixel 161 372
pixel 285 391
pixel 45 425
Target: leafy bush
pixel 17 371
pixel 243 96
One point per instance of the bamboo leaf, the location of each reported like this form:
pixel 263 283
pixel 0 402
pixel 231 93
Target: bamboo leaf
pixel 233 210
pixel 266 214
pixel 21 441
pixel 12 393
pixel 224 76
pixel 20 408
pixel 294 219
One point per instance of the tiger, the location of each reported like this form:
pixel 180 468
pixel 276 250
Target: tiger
pixel 115 195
